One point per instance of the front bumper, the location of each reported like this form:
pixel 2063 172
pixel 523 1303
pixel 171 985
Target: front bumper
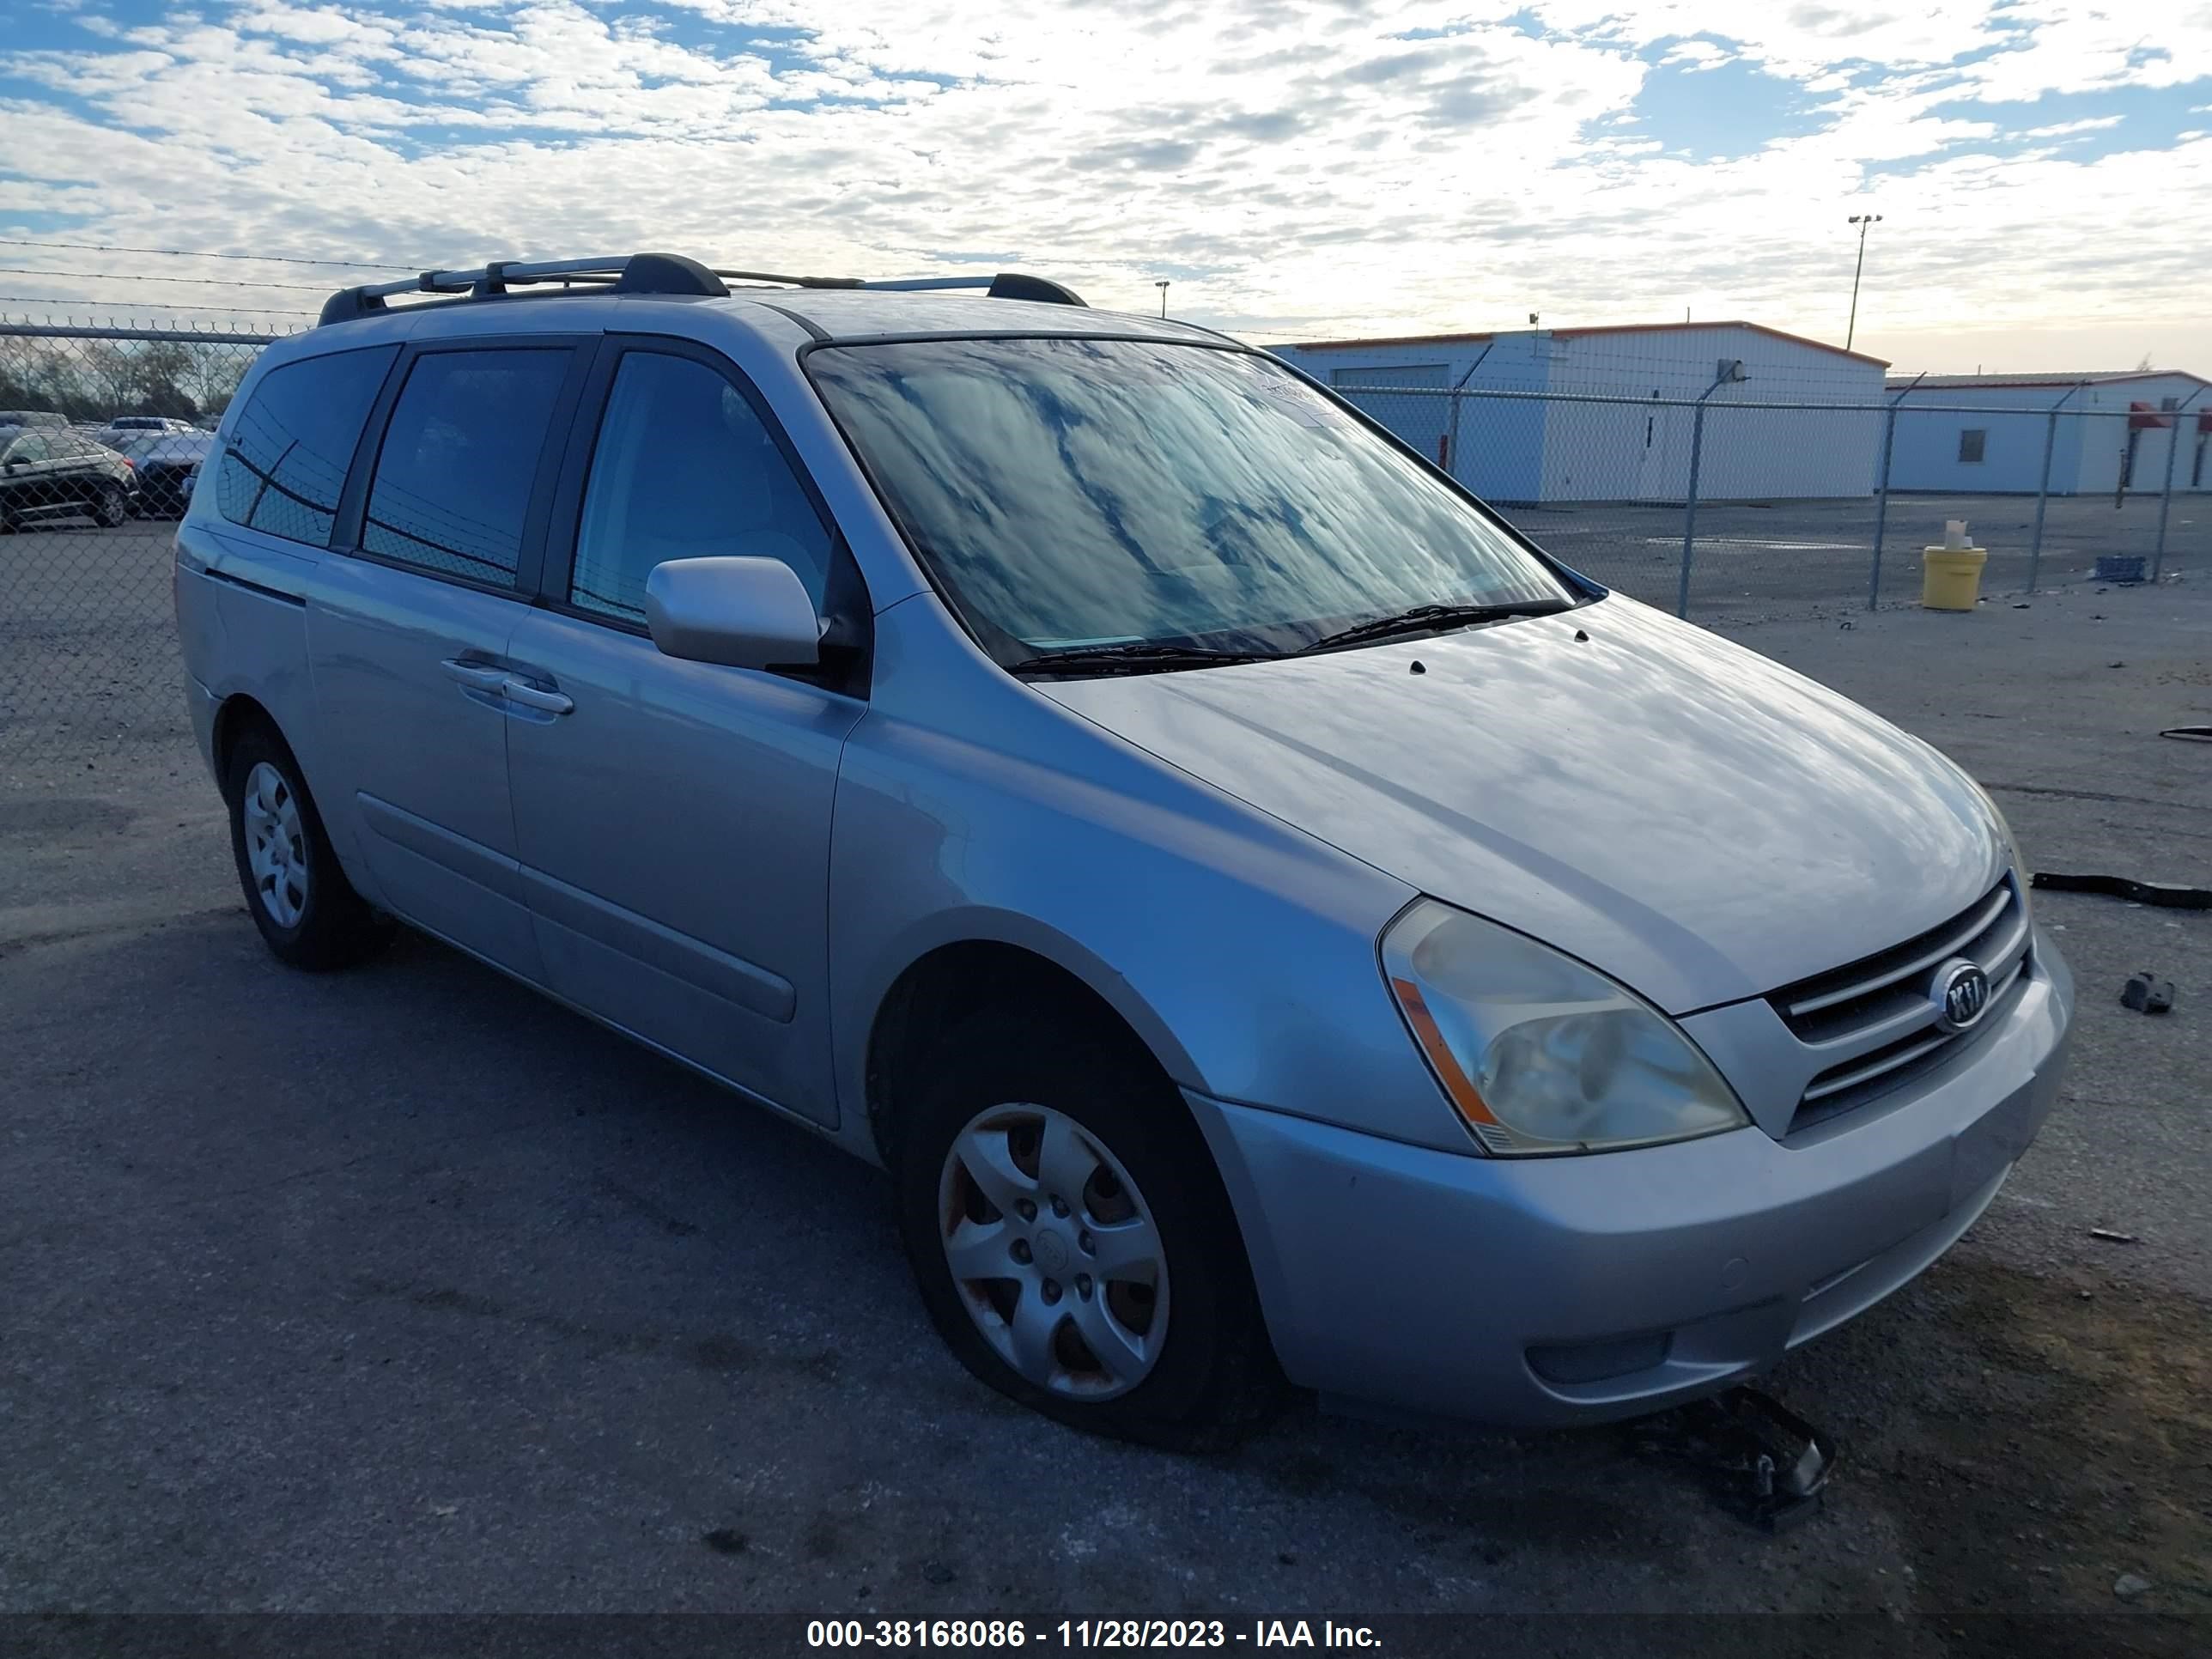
pixel 1562 1290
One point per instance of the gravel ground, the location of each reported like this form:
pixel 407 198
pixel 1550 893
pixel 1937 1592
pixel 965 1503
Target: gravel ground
pixel 404 1291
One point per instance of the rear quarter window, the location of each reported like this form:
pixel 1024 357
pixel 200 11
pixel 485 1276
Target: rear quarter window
pixel 291 444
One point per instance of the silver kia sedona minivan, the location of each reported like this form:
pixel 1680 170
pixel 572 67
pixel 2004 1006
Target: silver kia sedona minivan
pixel 1271 922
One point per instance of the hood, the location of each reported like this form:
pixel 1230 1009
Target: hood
pixel 1682 813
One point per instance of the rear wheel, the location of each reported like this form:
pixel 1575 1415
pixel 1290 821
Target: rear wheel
pixel 1072 1240
pixel 307 910
pixel 112 508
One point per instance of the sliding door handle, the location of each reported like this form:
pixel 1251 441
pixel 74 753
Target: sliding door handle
pixel 550 703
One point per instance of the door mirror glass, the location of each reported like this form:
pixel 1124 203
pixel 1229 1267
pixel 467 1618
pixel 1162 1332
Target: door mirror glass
pixel 748 613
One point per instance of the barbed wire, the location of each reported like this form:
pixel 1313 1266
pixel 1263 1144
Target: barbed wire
pixel 149 276
pixel 190 253
pixel 162 305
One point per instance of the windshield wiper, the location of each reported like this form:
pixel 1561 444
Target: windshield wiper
pixel 1136 658
pixel 1431 619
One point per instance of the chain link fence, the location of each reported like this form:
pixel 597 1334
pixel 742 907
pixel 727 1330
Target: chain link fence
pixel 1726 511
pixel 1718 509
pixel 101 432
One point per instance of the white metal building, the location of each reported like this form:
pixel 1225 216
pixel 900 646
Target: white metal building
pixel 1554 448
pixel 2107 426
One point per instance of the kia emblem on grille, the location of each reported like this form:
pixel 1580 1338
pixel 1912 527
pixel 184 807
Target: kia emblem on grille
pixel 1961 996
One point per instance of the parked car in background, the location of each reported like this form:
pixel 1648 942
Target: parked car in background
pixel 165 463
pixel 30 418
pixel 50 472
pixel 1268 917
pixel 121 429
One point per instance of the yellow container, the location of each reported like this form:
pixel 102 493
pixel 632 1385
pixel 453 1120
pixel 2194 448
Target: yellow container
pixel 1951 577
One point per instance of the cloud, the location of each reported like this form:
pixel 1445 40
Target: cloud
pixel 1302 164
pixel 1694 55
pixel 2093 124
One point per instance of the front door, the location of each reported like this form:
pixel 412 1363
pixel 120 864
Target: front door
pixel 407 639
pixel 672 817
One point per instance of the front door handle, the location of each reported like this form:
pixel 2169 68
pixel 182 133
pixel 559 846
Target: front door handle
pixel 551 702
pixel 477 676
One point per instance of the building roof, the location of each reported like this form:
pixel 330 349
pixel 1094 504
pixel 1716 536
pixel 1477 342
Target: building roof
pixel 1958 382
pixel 1577 333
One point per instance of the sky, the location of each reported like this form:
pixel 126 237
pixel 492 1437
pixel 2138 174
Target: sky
pixel 1296 169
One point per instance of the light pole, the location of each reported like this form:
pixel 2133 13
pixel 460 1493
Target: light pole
pixel 1861 220
pixel 1162 286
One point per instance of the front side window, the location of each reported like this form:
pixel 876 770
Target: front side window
pixel 459 459
pixel 1068 494
pixel 685 469
pixel 291 444
pixel 28 448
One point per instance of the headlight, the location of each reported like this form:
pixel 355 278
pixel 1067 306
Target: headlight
pixel 1540 1053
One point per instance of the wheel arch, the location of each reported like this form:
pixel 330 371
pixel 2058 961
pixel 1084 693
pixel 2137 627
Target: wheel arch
pixel 236 715
pixel 957 977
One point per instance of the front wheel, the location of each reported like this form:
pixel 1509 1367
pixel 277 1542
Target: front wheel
pixel 1072 1240
pixel 305 908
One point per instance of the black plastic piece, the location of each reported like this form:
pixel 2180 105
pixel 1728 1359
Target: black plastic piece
pixel 2146 994
pixel 1759 1460
pixel 1016 285
pixel 668 273
pixel 348 304
pixel 2163 893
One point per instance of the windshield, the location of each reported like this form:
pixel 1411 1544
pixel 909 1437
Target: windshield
pixel 1069 495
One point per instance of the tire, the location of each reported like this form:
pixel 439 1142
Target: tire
pixel 112 507
pixel 1211 1376
pixel 299 898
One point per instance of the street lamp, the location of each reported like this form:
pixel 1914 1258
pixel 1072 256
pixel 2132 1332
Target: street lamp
pixel 1861 220
pixel 1162 286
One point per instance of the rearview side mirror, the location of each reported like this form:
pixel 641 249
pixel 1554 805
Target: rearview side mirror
pixel 747 613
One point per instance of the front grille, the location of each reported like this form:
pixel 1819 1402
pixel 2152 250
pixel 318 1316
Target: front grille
pixel 1877 1017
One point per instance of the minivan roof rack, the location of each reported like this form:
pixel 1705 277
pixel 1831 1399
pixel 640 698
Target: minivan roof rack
pixel 652 273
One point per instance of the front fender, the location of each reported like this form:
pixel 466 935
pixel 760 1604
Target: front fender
pixel 1242 950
